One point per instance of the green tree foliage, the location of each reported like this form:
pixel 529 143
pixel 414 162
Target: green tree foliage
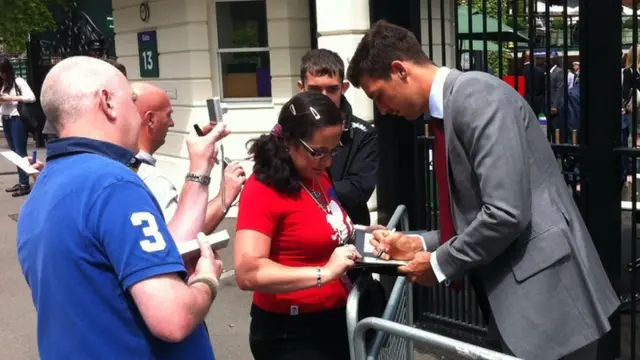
pixel 492 11
pixel 18 18
pixel 492 7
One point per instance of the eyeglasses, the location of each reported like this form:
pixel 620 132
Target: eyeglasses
pixel 319 154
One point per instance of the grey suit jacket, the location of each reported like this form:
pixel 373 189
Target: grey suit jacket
pixel 557 80
pixel 518 227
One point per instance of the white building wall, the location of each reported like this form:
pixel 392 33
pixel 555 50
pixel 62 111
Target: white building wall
pixel 341 31
pixel 436 31
pixel 188 62
pixel 289 39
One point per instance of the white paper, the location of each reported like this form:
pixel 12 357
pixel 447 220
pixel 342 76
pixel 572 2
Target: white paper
pixel 218 241
pixel 20 162
pixel 368 248
pixel 374 260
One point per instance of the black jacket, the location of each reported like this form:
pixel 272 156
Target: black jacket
pixel 534 87
pixel 354 169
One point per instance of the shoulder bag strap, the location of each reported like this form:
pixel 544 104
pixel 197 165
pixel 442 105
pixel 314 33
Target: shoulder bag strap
pixel 15 85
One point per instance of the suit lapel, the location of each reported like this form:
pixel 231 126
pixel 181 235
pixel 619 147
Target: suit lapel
pixel 449 83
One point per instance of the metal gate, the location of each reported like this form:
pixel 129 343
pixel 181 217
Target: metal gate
pixel 582 44
pixel 75 33
pixel 79 30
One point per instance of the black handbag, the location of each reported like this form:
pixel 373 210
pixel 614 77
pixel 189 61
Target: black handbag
pixel 28 113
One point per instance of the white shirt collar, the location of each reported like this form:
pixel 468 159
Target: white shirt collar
pixel 146 158
pixel 436 97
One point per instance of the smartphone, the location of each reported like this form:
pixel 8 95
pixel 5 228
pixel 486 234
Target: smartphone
pixel 198 130
pixel 216 109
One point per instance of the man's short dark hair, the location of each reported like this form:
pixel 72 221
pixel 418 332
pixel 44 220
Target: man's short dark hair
pixel 383 44
pixel 117 65
pixel 321 62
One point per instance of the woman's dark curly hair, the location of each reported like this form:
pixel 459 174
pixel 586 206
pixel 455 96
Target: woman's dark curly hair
pixel 299 118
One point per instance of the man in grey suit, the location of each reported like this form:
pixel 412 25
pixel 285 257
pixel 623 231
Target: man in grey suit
pixel 506 216
pixel 557 84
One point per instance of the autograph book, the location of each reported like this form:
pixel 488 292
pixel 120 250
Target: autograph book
pixel 365 249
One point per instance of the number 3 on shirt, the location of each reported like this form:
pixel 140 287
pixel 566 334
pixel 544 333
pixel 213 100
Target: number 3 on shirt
pixel 149 231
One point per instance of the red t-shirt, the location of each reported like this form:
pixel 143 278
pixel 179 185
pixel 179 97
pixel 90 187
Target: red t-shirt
pixel 302 234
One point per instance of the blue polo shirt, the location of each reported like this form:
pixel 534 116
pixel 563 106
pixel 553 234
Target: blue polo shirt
pixel 88 232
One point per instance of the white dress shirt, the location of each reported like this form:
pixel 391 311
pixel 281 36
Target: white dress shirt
pixel 162 189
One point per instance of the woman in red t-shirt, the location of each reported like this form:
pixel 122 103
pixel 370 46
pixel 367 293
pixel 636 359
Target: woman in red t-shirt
pixel 291 241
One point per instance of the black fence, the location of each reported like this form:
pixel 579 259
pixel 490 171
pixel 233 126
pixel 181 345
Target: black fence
pixel 75 33
pixel 568 62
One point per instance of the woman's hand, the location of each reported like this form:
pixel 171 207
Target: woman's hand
pixel 342 259
pixel 8 98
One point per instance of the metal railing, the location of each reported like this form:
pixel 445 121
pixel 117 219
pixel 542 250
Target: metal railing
pixel 399 310
pixel 400 304
pixel 395 334
pixel 353 307
pixel 452 346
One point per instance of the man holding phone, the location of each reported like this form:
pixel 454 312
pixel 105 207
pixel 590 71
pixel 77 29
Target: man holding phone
pixel 114 263
pixel 155 110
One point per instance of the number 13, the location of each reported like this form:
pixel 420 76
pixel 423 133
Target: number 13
pixel 151 230
pixel 147 60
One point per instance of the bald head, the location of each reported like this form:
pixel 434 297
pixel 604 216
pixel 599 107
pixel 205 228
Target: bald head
pixel 71 85
pixel 155 110
pixel 149 97
pixel 87 97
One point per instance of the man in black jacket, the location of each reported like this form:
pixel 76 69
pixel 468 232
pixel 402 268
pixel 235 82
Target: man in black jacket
pixel 354 169
pixel 534 83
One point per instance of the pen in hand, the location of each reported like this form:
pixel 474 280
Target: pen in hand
pixel 383 252
pixel 34 157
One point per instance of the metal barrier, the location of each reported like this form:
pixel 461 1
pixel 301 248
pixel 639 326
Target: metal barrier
pixel 452 346
pixel 395 334
pixel 399 308
pixel 353 302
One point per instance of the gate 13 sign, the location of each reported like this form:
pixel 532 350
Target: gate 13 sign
pixel 148 54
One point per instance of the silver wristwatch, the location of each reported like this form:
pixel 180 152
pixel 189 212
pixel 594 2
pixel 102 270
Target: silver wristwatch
pixel 201 179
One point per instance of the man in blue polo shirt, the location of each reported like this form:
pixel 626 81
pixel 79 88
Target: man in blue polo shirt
pixel 106 277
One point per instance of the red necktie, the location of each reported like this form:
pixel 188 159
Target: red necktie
pixel 447 230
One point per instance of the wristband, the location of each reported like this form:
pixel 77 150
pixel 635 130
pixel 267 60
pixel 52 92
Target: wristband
pixel 201 179
pixel 208 280
pixel 318 276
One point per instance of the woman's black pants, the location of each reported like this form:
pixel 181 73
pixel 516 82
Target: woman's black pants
pixel 317 336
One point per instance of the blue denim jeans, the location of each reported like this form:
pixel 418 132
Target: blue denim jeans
pixel 16 135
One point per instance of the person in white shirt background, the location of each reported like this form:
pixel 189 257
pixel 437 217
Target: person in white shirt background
pixel 155 109
pixel 14 90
